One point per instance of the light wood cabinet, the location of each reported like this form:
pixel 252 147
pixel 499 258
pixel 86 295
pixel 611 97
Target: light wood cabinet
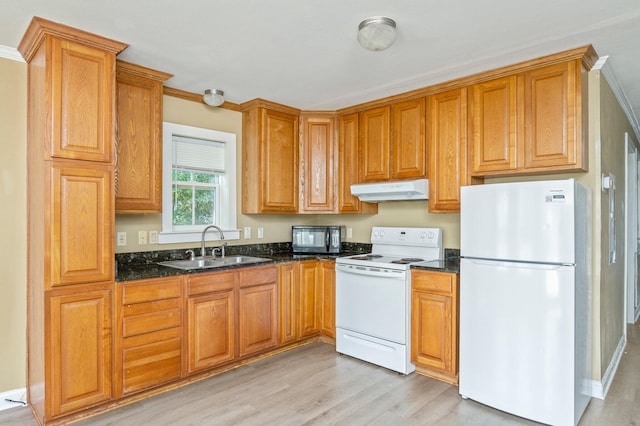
pixel 149 335
pixel 327 297
pixel 139 135
pixel 529 123
pixel 434 324
pixel 447 117
pixel 70 156
pixel 211 329
pixel 79 246
pixel 289 312
pixel 494 125
pixel 270 157
pixel 374 144
pixel 78 361
pixel 408 147
pixel 308 298
pixel 317 164
pixel 257 310
pixel 348 160
pixel 80 101
pixel 553 118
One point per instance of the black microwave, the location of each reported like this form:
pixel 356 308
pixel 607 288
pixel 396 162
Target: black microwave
pixel 316 239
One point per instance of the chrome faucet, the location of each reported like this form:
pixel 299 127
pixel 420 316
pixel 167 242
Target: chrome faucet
pixel 203 249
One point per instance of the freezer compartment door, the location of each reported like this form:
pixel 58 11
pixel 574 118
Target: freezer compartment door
pixel 517 338
pixel 523 221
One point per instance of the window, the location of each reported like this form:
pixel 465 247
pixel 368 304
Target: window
pixel 198 183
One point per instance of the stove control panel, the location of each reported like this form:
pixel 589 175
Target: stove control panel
pixel 429 237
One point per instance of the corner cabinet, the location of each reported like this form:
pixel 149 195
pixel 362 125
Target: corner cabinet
pixel 139 153
pixel 270 157
pixel 70 163
pixel 434 324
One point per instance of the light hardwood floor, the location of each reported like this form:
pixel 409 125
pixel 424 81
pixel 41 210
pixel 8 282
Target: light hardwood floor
pixel 313 385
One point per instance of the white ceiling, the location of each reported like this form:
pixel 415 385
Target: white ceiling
pixel 304 53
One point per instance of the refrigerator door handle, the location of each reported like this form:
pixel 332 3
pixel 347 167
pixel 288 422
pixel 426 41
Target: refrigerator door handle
pixel 518 265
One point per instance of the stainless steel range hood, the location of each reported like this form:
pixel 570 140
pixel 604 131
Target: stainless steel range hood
pixel 392 191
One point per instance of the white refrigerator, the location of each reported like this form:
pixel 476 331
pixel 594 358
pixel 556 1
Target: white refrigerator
pixel 525 298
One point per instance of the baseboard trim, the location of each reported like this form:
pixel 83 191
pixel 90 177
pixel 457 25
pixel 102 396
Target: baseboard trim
pixel 16 395
pixel 599 389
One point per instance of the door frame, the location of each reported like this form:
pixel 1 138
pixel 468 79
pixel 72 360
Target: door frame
pixel 632 185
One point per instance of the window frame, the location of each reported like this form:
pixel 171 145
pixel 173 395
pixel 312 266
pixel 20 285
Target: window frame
pixel 228 215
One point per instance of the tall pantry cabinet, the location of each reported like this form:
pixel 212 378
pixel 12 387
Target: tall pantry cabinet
pixel 70 154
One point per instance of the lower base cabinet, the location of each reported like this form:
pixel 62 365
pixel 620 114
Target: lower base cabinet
pixel 327 294
pixel 210 320
pixel 434 324
pixel 257 310
pixel 149 336
pixel 79 333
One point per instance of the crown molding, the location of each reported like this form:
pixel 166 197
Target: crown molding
pixel 603 65
pixel 10 53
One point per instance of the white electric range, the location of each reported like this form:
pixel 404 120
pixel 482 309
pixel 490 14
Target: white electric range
pixel 373 295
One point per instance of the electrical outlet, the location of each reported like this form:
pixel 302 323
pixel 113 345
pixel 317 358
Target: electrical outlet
pixel 153 237
pixel 247 232
pixel 349 232
pixel 142 237
pixel 121 239
pixel 260 232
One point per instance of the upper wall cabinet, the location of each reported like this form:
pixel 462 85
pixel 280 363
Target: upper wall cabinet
pixel 374 144
pixel 76 97
pixel 139 158
pixel 494 125
pixel 392 142
pixel 553 137
pixel 530 122
pixel 348 159
pixel 447 117
pixel 270 158
pixel 408 150
pixel 317 164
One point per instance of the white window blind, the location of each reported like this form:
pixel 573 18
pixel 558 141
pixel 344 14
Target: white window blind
pixel 198 155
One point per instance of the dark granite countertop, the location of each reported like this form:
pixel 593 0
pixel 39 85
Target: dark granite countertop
pixel 137 266
pixel 451 265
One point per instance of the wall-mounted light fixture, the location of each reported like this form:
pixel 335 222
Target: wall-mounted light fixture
pixel 377 33
pixel 213 97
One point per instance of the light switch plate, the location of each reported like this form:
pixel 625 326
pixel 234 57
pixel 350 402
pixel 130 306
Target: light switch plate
pixel 349 232
pixel 142 237
pixel 153 237
pixel 247 232
pixel 121 239
pixel 260 232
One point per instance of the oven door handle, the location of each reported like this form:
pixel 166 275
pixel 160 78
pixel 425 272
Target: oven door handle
pixel 374 272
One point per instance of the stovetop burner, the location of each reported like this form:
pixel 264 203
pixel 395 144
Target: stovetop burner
pixel 367 257
pixel 406 260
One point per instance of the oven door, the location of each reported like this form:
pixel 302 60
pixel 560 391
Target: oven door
pixel 372 301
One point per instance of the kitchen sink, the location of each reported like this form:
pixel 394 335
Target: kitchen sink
pixel 210 262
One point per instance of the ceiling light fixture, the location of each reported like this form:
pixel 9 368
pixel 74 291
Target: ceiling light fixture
pixel 213 97
pixel 377 33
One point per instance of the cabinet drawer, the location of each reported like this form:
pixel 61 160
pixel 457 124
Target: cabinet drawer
pixel 149 290
pixel 151 365
pixel 151 321
pixel 432 281
pixel 211 282
pixel 259 276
